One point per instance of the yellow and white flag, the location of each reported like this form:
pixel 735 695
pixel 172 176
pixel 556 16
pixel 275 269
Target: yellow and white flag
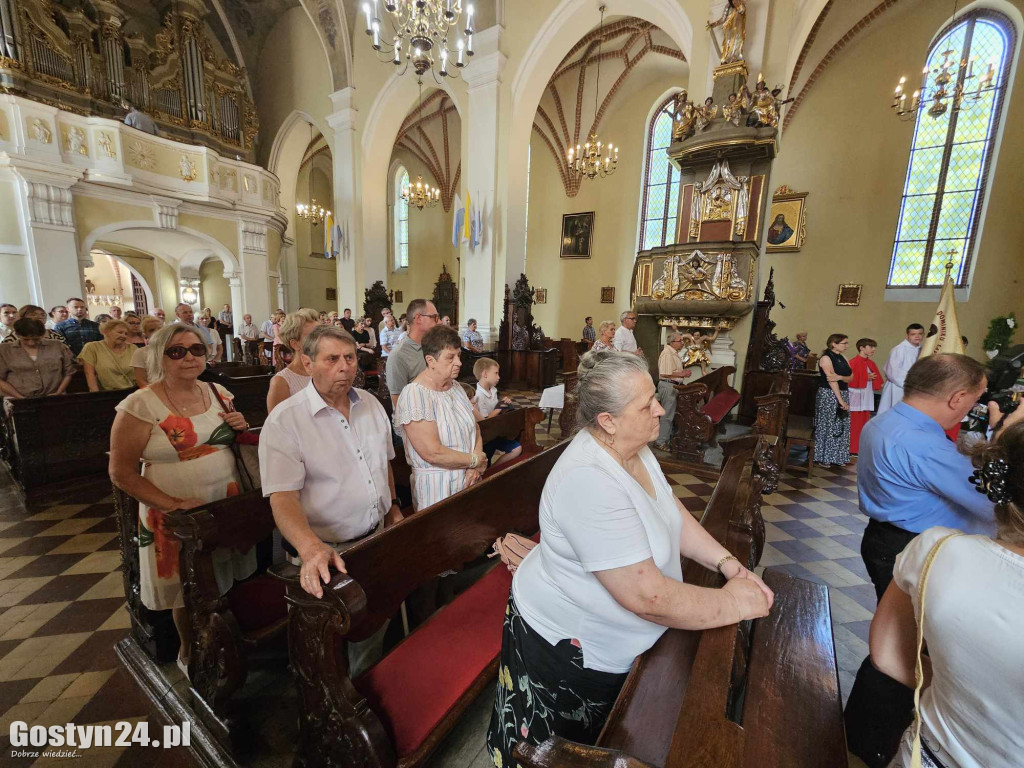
pixel 944 335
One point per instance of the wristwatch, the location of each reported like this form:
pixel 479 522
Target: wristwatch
pixel 396 503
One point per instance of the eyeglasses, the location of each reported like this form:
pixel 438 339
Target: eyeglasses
pixel 176 353
pixel 435 317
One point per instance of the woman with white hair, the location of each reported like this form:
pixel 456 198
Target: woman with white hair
pixel 605 336
pixel 293 378
pixel 605 581
pixel 108 363
pixel 169 448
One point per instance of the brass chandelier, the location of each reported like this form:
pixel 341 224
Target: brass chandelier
pixel 312 212
pixel 421 195
pixel 952 84
pixel 594 159
pixel 420 31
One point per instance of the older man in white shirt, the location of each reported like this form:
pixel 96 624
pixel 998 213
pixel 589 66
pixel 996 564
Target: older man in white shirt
pixel 624 340
pixel 324 463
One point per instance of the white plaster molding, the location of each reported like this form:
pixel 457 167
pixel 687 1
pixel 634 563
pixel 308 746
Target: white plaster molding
pixel 254 236
pixel 489 62
pixel 49 205
pixel 165 211
pixel 345 111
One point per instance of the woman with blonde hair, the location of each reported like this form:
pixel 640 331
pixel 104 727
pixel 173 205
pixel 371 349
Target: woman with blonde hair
pixel 169 448
pixel 292 378
pixel 605 334
pixel 108 363
pixel 149 326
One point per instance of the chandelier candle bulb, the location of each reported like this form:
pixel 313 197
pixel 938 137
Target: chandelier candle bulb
pixel 369 19
pixel 460 62
pixel 376 36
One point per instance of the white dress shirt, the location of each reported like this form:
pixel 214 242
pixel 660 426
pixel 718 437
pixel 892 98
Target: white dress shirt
pixel 339 465
pixel 901 360
pixel 624 340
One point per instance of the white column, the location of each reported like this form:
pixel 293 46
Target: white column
pixel 46 216
pixel 480 154
pixel 354 270
pixel 251 295
pixel 288 276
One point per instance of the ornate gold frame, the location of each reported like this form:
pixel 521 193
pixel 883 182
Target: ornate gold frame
pixel 848 295
pixel 785 196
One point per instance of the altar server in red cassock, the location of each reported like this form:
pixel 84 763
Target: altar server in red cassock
pixel 867 380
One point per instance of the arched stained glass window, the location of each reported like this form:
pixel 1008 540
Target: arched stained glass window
pixel 661 183
pixel 401 223
pixel 951 157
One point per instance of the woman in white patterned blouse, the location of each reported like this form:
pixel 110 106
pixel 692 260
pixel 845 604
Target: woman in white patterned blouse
pixel 435 420
pixel 605 334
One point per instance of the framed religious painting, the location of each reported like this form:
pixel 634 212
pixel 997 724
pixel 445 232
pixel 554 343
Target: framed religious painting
pixel 787 222
pixel 332 294
pixel 398 297
pixel 608 295
pixel 848 295
pixel 577 235
pixel 540 296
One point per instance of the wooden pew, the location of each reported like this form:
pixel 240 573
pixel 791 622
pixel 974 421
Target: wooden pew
pixel 700 410
pixel 249 384
pixel 59 439
pixel 773 416
pixel 762 693
pixel 397 712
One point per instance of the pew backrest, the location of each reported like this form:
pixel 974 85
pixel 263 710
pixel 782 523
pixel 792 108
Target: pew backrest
pixel 384 569
pixel 519 424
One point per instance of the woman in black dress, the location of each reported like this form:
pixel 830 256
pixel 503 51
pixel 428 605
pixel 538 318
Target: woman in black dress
pixel 832 406
pixel 364 349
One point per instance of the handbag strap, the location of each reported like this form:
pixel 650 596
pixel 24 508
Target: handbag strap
pixel 922 587
pixel 216 393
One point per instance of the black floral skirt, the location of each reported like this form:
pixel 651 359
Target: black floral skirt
pixel 543 690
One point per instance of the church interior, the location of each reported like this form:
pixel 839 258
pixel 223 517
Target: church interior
pixel 756 181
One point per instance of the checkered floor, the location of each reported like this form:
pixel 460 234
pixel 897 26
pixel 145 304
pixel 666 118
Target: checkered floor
pixel 62 607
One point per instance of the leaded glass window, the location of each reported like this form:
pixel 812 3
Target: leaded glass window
pixel 661 183
pixel 950 159
pixel 401 220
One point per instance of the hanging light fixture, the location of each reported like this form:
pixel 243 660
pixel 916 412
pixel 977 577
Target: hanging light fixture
pixel 952 85
pixel 312 212
pixel 594 159
pixel 419 194
pixel 420 32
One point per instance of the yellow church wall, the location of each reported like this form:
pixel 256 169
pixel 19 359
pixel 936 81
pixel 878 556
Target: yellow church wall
pixel 224 231
pixel 91 213
pixel 430 246
pixel 214 288
pixel 574 285
pixel 316 273
pixel 273 248
pixel 168 296
pixel 293 73
pixel 846 149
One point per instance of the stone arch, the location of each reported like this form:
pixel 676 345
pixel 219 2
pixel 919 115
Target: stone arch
pixel 151 295
pixel 557 35
pixel 394 102
pixel 109 232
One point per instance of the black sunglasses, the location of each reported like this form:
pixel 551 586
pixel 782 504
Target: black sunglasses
pixel 178 352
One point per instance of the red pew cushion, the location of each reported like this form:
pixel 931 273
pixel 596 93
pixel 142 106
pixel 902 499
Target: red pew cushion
pixel 421 680
pixel 719 405
pixel 258 603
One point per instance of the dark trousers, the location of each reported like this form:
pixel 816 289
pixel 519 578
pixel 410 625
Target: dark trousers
pixel 879 547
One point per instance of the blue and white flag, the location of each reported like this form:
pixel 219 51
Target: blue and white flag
pixel 458 220
pixel 476 228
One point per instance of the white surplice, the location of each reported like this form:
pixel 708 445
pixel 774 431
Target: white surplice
pixel 901 358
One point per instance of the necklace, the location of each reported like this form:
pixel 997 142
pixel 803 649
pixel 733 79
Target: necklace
pixel 175 405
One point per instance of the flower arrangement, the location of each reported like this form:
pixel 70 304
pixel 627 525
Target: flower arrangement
pixel 1000 332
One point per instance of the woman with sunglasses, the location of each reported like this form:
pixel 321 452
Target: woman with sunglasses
pixel 169 448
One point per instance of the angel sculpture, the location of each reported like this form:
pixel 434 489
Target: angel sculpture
pixel 706 114
pixel 732 111
pixel 697 349
pixel 684 118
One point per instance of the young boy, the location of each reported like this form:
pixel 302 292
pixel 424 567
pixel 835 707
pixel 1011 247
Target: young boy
pixel 486 405
pixel 867 379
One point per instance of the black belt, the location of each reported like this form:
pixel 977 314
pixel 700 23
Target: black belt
pixel 889 527
pixel 287 546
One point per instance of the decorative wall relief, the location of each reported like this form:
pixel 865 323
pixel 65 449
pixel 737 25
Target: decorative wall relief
pixel 848 295
pixel 188 169
pixel 106 144
pixel 39 130
pixel 787 229
pixel 141 155
pixel 74 141
pixel 720 197
pixel 702 277
pixel 608 294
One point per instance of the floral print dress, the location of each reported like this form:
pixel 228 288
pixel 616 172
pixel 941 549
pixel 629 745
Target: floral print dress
pixel 186 457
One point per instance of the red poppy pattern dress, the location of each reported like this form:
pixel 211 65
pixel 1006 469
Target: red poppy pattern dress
pixel 186 457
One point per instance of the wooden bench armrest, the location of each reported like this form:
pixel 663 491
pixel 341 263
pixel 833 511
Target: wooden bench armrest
pixel 342 596
pixel 556 752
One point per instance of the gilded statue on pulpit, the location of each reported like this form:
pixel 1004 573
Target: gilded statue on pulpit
pixel 698 349
pixel 684 119
pixel 733 22
pixel 722 196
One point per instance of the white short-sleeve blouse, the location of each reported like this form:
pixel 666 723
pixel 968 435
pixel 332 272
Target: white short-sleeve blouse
pixel 594 517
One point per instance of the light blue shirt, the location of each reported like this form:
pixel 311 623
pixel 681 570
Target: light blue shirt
pixel 911 475
pixel 389 337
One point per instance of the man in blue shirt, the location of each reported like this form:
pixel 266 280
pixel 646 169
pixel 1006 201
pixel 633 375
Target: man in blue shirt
pixel 910 476
pixel 78 330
